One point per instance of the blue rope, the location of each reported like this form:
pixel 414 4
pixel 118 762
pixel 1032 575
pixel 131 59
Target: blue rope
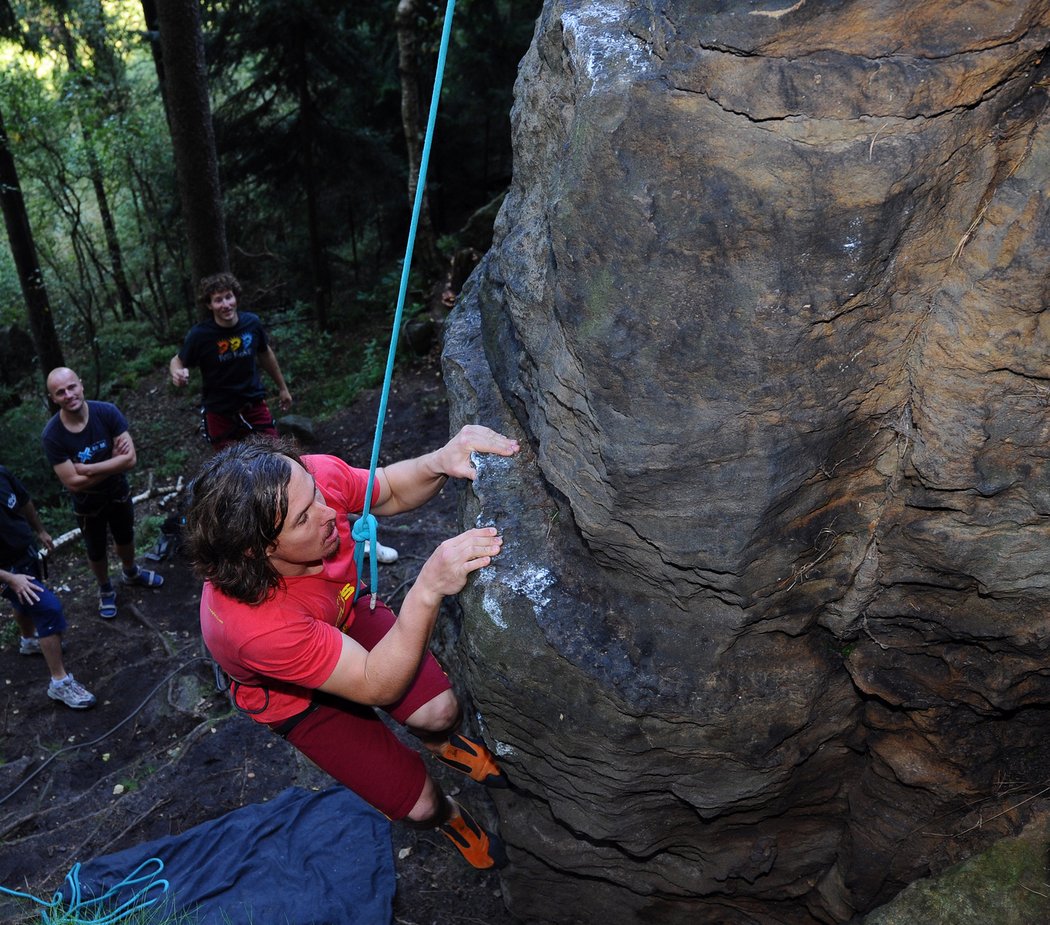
pixel 364 528
pixel 80 911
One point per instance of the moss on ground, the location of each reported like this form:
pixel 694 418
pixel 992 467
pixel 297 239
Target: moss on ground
pixel 1008 884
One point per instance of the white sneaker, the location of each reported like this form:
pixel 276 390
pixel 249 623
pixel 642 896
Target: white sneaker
pixel 384 554
pixel 29 645
pixel 71 693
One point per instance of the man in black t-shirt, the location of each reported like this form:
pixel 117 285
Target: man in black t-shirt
pixel 90 449
pixel 229 346
pixel 38 612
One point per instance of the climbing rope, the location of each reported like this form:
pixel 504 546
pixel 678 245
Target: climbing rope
pixel 96 911
pixel 365 526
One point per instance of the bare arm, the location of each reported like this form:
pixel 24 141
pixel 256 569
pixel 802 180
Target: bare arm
pixel 180 375
pixel 268 361
pixel 406 485
pixel 28 511
pixel 382 675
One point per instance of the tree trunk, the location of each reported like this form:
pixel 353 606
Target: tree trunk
pixel 109 227
pixel 149 12
pixel 318 257
pixel 413 124
pixel 192 135
pixel 23 250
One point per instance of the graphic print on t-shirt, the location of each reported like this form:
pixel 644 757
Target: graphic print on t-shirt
pixel 85 455
pixel 232 347
pixel 346 597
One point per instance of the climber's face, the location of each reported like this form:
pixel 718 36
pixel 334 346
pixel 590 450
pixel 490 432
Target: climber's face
pixel 310 533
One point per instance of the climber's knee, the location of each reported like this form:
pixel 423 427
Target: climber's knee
pixel 437 717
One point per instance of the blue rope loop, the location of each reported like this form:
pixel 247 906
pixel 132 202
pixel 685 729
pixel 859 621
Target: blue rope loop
pixel 80 911
pixel 364 529
pixel 406 267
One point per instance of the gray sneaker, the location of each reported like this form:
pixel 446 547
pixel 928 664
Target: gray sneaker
pixel 71 693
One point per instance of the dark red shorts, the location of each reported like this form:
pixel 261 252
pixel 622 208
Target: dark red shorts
pixel 352 744
pixel 224 429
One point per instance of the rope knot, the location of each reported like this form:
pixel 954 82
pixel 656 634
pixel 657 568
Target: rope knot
pixel 364 534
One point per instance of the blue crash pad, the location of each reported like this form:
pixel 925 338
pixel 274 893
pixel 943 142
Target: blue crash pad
pixel 303 858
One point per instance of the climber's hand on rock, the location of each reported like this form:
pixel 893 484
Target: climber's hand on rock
pixel 448 567
pixel 454 456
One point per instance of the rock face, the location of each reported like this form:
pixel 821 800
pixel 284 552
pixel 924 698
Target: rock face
pixel 765 304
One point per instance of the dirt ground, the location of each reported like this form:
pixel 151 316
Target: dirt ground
pixel 162 751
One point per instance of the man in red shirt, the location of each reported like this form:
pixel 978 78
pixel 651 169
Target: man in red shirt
pixel 269 531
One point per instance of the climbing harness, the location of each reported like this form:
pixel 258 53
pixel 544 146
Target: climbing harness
pixel 364 528
pixel 76 910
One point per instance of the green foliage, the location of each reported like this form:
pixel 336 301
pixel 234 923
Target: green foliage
pixel 126 353
pixel 9 635
pixel 380 300
pixel 92 147
pixel 27 912
pixel 325 372
pixel 307 105
pixel 147 529
pixel 23 454
pixel 308 121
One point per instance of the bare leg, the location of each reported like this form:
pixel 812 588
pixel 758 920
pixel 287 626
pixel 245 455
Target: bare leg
pixel 100 570
pixel 432 808
pixel 25 625
pixel 127 556
pixel 51 649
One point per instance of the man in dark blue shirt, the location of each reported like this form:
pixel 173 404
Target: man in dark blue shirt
pixel 229 346
pixel 90 449
pixel 38 612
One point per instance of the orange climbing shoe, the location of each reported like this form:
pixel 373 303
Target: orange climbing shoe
pixel 482 849
pixel 473 759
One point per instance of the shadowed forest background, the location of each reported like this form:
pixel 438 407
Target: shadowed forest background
pixel 310 105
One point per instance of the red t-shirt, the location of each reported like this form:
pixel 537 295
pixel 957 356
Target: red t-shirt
pixel 279 651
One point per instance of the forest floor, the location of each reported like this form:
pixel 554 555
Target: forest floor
pixel 162 751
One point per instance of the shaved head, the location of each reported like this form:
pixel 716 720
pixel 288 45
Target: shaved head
pixel 60 374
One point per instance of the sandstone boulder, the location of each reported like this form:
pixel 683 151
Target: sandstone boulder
pixel 765 305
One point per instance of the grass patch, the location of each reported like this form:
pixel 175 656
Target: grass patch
pixel 9 634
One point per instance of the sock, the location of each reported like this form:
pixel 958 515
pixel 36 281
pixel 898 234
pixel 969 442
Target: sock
pixel 106 588
pixel 57 681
